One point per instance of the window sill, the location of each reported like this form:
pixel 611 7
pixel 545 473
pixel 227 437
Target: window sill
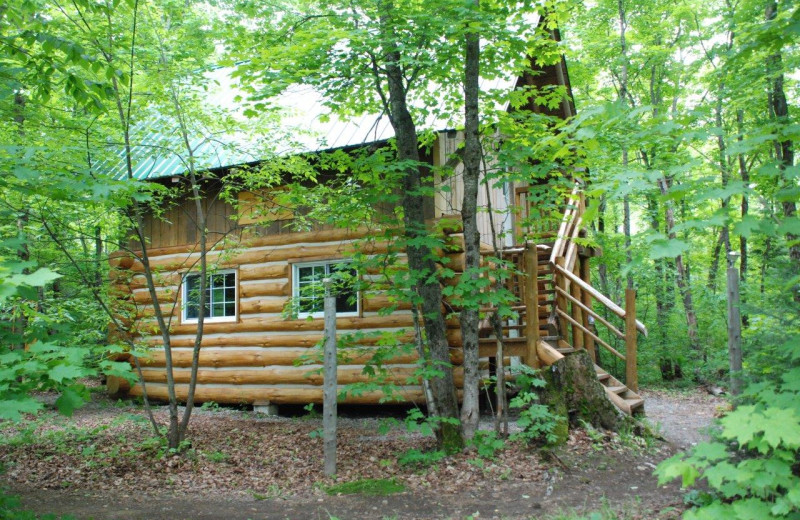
pixel 320 315
pixel 225 319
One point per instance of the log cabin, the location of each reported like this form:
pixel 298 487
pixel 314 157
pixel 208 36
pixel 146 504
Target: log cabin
pixel 263 316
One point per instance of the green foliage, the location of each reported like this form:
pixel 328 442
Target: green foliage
pixel 47 363
pixel 368 487
pixel 538 423
pixel 487 444
pixel 421 459
pixel 750 466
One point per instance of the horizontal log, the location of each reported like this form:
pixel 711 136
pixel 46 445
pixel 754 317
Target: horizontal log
pixel 275 357
pixel 281 375
pixel 272 340
pixel 139 281
pixel 255 256
pixel 547 354
pixel 263 272
pixel 162 293
pixel 263 305
pixel 117 386
pixel 121 260
pixel 279 288
pixel 275 395
pixel 378 302
pixel 149 312
pixel 279 324
pixel 327 235
pixel 510 348
pixel 455 261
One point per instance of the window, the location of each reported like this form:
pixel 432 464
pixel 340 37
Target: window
pixel 309 293
pixel 220 297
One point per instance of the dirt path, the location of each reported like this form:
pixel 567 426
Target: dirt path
pixel 587 476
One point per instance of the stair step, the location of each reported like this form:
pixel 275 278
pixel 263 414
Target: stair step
pixel 550 338
pixel 603 376
pixel 566 350
pixel 618 389
pixel 635 404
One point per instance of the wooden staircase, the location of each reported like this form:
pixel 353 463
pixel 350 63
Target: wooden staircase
pixel 552 283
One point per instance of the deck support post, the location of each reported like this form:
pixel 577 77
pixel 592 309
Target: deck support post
pixel 329 407
pixel 586 299
pixel 631 371
pixel 577 312
pixel 531 305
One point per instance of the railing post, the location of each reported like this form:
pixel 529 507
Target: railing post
pixel 631 374
pixel 561 300
pixel 531 262
pixel 577 312
pixel 586 299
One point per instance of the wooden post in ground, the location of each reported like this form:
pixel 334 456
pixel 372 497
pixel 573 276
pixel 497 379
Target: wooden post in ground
pixel 329 411
pixel 631 371
pixel 577 312
pixel 586 298
pixel 531 261
pixel 734 326
pixel 561 300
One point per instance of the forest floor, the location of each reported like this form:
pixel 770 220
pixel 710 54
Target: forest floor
pixel 104 463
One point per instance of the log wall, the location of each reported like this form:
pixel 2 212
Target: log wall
pixel 255 357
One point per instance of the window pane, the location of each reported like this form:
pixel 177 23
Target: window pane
pixel 220 295
pixel 218 310
pixel 309 291
pixel 217 295
pixel 192 296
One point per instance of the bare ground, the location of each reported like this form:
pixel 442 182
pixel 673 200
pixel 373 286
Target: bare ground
pixel 244 466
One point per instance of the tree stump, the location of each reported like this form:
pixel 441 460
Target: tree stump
pixel 574 393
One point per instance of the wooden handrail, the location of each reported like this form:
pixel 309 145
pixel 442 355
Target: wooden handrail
pixel 618 333
pixel 600 297
pixel 595 336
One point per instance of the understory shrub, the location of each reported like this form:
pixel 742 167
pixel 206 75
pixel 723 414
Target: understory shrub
pixel 752 466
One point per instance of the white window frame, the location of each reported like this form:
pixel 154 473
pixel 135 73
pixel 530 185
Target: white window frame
pixel 209 319
pixel 296 287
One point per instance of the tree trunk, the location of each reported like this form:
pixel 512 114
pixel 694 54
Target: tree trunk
pixel 722 239
pixel 745 175
pixel 470 411
pixel 623 93
pixel 785 148
pixel 420 257
pixel 681 276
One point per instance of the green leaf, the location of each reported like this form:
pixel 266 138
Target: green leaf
pixel 12 408
pixel 68 402
pixel 39 278
pixel 782 427
pixel 667 248
pixel 61 372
